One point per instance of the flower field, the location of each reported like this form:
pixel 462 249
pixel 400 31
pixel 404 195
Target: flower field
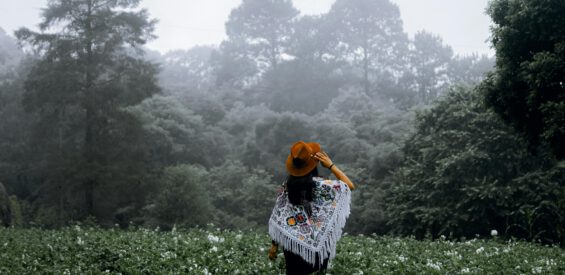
pixel 211 251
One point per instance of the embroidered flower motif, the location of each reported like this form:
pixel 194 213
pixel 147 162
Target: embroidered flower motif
pixel 291 221
pixel 300 218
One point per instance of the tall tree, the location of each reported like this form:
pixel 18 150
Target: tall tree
pixel 10 55
pixel 527 88
pixel 469 70
pixel 90 67
pixel 368 34
pixel 429 60
pixel 260 30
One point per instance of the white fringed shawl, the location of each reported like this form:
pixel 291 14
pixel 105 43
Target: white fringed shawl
pixel 315 236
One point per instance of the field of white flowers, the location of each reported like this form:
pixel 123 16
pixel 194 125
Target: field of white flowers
pixel 79 250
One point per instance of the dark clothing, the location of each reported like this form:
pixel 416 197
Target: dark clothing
pixel 295 265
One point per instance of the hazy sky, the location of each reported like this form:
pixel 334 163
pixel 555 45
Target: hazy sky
pixel 186 23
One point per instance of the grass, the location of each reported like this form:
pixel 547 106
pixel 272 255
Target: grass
pixel 212 251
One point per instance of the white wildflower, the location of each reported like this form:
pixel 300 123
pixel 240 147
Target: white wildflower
pixel 480 250
pixel 359 253
pixel 465 270
pixel 80 241
pixel 402 259
pixel 436 266
pixel 214 249
pixel 494 233
pixel 238 237
pixel 168 255
pixel 537 270
pixel 213 238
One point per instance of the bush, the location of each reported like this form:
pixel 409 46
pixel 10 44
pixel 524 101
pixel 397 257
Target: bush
pixel 183 198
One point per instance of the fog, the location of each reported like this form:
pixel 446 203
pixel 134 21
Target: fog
pixel 463 25
pixel 178 114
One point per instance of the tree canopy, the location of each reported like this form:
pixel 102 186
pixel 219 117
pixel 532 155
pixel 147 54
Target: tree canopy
pixel 527 88
pixel 89 68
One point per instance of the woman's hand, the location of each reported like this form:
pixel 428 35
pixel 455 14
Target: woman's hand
pixel 324 159
pixel 273 252
pixel 328 163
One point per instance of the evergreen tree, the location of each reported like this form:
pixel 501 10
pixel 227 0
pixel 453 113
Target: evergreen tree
pixel 90 68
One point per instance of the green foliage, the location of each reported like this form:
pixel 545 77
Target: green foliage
pixel 368 35
pixel 175 134
pixel 90 67
pixel 17 219
pixel 97 142
pixel 213 251
pixel 243 197
pixel 183 198
pixel 527 88
pixel 430 59
pixel 5 207
pixel 466 173
pixel 264 28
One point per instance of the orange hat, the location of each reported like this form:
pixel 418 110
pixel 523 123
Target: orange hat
pixel 301 159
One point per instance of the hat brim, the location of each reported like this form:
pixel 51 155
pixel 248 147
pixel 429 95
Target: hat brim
pixel 310 164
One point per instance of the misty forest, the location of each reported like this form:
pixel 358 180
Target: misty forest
pixel 98 130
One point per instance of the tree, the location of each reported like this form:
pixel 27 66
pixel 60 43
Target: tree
pixel 174 135
pixel 183 198
pixel 90 68
pixel 429 61
pixel 368 34
pixel 5 209
pixel 10 55
pixel 259 30
pixel 466 172
pixel 469 70
pixel 527 88
pixel 188 69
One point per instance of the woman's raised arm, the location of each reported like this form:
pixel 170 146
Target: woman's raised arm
pixel 327 162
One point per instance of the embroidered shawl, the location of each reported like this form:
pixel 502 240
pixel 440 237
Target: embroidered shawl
pixel 316 235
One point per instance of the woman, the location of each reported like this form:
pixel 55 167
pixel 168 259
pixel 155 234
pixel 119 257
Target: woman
pixel 310 212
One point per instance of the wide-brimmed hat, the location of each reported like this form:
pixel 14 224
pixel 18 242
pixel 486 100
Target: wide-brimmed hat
pixel 301 159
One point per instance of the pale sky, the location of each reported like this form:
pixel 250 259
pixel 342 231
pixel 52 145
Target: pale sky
pixel 183 24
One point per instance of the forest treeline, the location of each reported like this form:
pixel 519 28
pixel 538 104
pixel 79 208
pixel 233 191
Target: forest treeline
pixel 95 128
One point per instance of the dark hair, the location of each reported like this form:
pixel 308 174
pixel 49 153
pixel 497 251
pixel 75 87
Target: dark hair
pixel 301 189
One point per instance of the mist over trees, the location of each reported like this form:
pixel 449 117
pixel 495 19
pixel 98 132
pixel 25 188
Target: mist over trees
pixel 95 128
